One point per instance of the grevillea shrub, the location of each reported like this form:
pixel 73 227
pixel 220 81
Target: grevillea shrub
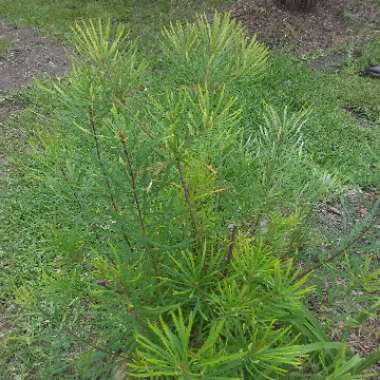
pixel 176 219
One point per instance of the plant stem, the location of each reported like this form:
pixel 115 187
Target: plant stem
pixel 66 178
pixel 186 193
pixel 103 169
pixel 231 245
pixel 132 176
pixel 99 157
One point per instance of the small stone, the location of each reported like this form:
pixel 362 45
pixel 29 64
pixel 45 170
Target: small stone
pixel 372 71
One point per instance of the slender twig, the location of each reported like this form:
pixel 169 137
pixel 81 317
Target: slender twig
pixel 186 193
pixel 136 200
pixel 188 200
pixel 231 245
pixel 66 178
pixel 103 169
pixel 99 157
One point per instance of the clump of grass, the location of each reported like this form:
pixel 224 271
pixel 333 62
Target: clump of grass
pixel 5 46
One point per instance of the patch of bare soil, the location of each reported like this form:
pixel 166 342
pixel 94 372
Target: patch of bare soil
pixel 332 24
pixel 362 119
pixel 9 107
pixel 31 56
pixel 5 326
pixel 366 339
pixel 354 206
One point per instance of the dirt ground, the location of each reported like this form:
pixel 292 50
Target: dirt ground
pixel 31 56
pixel 333 24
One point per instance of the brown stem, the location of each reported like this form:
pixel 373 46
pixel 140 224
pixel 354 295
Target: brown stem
pixel 186 194
pixel 103 169
pixel 132 176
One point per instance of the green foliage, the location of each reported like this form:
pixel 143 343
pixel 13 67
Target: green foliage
pixel 334 136
pixel 175 218
pixel 200 52
pixel 98 41
pixel 171 356
pixel 162 205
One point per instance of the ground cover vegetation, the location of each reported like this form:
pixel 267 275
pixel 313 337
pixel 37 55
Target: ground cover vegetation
pixel 4 46
pixel 162 216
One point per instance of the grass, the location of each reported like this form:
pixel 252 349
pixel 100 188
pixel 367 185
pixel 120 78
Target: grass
pixel 334 138
pixel 144 18
pixel 5 46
